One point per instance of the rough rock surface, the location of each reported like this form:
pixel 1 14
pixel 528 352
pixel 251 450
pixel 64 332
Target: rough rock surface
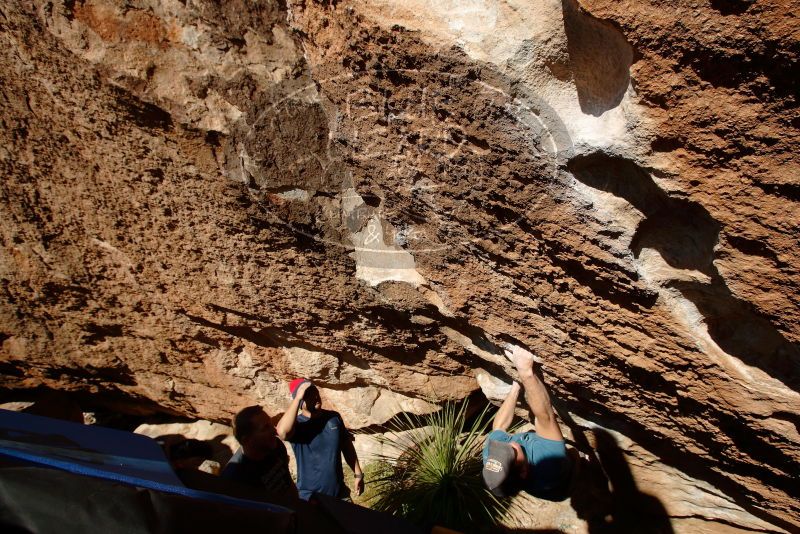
pixel 202 200
pixel 218 436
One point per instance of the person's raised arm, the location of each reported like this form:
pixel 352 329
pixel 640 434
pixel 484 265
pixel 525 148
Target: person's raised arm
pixel 536 394
pixel 285 427
pixel 504 416
pixel 350 456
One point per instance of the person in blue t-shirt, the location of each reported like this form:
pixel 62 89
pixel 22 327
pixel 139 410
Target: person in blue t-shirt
pixel 534 462
pixel 319 440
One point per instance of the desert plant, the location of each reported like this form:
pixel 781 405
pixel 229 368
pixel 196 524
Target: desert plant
pixel 432 471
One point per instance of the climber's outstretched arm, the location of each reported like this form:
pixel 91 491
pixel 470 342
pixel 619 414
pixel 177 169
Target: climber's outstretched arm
pixel 504 416
pixel 536 394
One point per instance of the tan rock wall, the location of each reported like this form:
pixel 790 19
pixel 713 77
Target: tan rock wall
pixel 202 201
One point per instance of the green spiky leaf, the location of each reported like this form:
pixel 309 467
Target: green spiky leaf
pixel 431 474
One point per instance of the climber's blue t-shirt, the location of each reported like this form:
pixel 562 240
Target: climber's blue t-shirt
pixel 317 448
pixel 550 468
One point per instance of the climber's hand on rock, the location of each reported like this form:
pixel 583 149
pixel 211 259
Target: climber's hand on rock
pixel 359 486
pixel 523 360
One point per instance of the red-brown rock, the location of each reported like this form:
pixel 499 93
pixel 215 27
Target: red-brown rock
pixel 202 201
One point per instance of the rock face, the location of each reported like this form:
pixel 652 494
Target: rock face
pixel 203 200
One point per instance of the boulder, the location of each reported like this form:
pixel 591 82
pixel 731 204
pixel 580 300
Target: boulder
pixel 204 200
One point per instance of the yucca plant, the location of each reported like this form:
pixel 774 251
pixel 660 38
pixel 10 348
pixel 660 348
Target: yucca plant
pixel 430 471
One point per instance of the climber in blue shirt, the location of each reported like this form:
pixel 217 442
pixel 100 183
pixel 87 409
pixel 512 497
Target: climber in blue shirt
pixel 319 440
pixel 534 462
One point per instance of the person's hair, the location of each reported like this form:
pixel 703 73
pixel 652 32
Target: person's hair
pixel 243 422
pixel 512 485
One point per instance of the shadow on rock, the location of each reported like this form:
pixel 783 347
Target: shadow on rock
pixel 600 58
pixel 189 453
pixel 684 234
pixel 606 495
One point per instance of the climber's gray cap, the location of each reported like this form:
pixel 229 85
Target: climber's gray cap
pixel 498 465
